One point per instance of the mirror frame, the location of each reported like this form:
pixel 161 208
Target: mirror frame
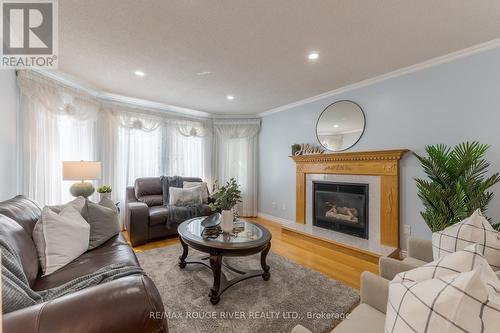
pixel 360 136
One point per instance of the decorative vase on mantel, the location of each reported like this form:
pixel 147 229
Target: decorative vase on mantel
pixel 227 221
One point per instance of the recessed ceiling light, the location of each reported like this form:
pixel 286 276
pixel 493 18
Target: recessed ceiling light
pixel 203 73
pixel 313 56
pixel 230 97
pixel 140 73
pixel 336 126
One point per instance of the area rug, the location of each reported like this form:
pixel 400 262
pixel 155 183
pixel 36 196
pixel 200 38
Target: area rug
pixel 293 295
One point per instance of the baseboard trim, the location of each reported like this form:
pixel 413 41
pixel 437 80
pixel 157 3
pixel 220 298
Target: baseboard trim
pixel 274 218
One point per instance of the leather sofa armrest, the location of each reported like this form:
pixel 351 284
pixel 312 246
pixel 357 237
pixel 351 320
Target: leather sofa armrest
pixel 389 267
pixel 420 249
pixel 374 291
pixel 129 197
pixel 128 304
pixel 130 194
pixel 138 222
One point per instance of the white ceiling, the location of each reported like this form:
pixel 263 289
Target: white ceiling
pixel 257 49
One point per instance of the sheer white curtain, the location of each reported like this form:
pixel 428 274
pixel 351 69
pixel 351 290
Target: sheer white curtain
pixel 52 130
pixel 188 148
pixel 77 142
pixel 236 156
pixel 138 154
pixel 59 123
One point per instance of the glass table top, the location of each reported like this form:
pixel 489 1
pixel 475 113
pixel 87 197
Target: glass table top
pixel 243 231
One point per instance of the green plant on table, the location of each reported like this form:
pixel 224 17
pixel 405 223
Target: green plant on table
pixel 104 189
pixel 457 183
pixel 227 196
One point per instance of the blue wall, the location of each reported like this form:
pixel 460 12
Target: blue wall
pixel 448 103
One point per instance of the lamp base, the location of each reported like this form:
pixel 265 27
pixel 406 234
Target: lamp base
pixel 81 189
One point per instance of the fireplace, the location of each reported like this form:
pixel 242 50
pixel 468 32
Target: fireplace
pixel 341 207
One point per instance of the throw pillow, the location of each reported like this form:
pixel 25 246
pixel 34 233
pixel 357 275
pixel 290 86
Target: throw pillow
pixel 204 188
pixel 185 196
pixel 457 293
pixel 60 238
pixel 474 230
pixel 108 203
pixel 103 222
pixel 78 204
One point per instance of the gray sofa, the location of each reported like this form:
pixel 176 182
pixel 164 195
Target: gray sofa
pixel 146 215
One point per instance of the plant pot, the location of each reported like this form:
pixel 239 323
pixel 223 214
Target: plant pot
pixel 227 221
pixel 105 195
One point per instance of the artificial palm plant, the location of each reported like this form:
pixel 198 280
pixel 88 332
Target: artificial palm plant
pixel 457 184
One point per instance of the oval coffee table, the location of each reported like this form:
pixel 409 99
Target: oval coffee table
pixel 246 239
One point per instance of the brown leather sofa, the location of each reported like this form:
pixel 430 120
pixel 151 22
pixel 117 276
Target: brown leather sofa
pixel 128 304
pixel 146 216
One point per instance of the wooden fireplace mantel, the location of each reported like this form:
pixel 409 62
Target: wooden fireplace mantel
pixel 384 163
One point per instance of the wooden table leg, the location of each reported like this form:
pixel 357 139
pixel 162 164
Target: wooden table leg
pixel 182 258
pixel 266 275
pixel 216 265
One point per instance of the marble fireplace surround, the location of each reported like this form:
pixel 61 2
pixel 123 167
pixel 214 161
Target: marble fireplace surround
pixel 379 169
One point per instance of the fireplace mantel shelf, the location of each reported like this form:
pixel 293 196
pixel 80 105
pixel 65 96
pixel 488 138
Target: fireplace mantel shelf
pixel 379 155
pixel 384 163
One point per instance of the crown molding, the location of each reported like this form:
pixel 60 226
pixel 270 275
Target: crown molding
pixel 178 110
pixel 132 102
pixel 142 103
pixel 121 99
pixel 234 116
pixel 492 44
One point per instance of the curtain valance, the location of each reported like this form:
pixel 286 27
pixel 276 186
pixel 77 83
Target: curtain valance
pixel 237 128
pixel 60 99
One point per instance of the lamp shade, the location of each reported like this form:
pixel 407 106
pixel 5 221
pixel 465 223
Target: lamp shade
pixel 81 170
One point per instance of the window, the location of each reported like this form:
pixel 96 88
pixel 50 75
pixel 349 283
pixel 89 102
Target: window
pixel 139 154
pixel 185 155
pixel 76 142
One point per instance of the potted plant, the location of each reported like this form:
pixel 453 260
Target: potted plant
pixel 224 200
pixel 295 148
pixel 457 184
pixel 105 191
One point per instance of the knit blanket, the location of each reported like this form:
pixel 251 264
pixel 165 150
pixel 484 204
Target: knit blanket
pixel 179 214
pixel 166 183
pixel 16 291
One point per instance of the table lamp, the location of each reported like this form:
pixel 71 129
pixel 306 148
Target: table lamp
pixel 81 170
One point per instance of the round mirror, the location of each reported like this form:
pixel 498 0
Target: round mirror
pixel 340 125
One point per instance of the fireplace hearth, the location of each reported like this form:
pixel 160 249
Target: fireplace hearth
pixel 341 207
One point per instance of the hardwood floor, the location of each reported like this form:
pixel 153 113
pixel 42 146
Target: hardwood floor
pixel 337 265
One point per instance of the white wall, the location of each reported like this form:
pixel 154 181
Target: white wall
pixel 449 103
pixel 8 133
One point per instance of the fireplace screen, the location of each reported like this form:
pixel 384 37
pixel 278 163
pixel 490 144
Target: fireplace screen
pixel 341 207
